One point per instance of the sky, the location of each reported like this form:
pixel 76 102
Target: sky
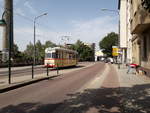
pixel 78 19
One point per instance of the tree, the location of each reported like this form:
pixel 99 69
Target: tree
pixel 29 52
pixel 107 42
pixel 49 44
pixel 40 50
pixel 15 49
pixel 85 53
pixel 18 56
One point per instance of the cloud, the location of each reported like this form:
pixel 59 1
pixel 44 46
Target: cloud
pixel 16 2
pixel 29 6
pixel 91 31
pixel 94 30
pixel 19 11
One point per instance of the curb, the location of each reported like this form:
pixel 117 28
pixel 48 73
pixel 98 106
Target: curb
pixel 7 88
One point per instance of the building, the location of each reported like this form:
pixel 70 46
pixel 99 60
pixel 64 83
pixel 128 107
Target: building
pixel 140 29
pixel 122 6
pixel 129 35
pixel 98 55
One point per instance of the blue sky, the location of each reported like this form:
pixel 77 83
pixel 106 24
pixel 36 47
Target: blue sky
pixel 79 19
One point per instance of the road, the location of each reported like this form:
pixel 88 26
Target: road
pixel 48 95
pixel 96 88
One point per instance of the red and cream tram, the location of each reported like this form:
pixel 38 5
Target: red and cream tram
pixel 60 57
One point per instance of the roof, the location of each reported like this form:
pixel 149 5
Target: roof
pixel 59 48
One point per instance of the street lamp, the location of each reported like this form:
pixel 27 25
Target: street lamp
pixel 8 53
pixel 34 59
pixel 116 11
pixel 34 40
pixel 103 9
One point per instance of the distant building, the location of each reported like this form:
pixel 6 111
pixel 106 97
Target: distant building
pixel 98 55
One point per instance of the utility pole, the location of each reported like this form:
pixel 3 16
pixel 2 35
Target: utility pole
pixel 8 29
pixel 8 34
pixel 65 39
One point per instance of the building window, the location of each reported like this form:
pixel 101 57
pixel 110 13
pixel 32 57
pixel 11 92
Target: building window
pixel 145 47
pixel 146 4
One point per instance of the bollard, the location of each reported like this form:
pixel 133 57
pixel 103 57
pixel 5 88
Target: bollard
pixel 32 71
pixel 47 70
pixel 57 69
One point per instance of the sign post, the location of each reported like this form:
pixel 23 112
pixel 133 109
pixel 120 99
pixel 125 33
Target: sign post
pixel 115 51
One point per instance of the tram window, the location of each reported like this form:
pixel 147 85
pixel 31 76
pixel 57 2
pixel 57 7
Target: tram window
pixel 48 55
pixel 73 56
pixel 53 55
pixel 70 56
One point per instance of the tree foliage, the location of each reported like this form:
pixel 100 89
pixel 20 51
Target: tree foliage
pixel 85 53
pixel 39 48
pixel 49 44
pixel 26 56
pixel 18 56
pixel 107 42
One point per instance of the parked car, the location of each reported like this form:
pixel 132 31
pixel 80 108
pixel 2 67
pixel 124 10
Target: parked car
pixel 109 60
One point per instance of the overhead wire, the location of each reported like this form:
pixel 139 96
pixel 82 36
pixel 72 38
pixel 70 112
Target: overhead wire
pixel 24 17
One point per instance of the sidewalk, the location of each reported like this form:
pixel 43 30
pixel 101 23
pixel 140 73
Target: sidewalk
pixel 134 92
pixel 130 79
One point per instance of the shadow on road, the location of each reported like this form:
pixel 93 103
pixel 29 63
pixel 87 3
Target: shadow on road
pixel 104 100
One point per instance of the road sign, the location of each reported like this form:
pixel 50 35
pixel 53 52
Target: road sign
pixel 115 51
pixel 2 22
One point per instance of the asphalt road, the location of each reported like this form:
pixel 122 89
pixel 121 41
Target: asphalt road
pixel 93 89
pixel 49 95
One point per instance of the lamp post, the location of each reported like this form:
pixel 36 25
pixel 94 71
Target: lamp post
pixel 8 23
pixel 116 11
pixel 34 40
pixel 34 61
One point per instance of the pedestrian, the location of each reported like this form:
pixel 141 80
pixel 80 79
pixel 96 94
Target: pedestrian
pixel 132 67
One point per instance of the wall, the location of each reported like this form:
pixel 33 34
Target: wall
pixel 123 24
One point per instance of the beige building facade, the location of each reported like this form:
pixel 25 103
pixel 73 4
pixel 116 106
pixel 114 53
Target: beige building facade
pixel 129 35
pixel 123 29
pixel 140 28
pixel 137 30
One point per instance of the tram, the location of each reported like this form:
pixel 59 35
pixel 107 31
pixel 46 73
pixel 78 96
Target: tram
pixel 60 57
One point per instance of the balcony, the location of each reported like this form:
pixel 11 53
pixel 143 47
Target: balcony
pixel 140 21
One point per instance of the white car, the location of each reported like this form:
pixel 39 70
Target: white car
pixel 111 60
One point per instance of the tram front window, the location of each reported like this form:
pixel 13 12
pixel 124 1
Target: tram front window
pixel 48 55
pixel 53 55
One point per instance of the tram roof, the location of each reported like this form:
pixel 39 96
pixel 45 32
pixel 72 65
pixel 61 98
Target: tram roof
pixel 59 48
